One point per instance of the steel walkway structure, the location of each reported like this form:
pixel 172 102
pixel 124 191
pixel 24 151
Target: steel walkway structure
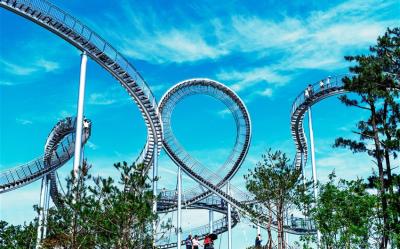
pixel 211 184
pixel 80 36
pixel 210 195
pixel 59 149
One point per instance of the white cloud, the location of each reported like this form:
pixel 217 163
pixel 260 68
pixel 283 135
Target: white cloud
pixel 92 145
pixel 23 121
pixel 47 65
pixel 27 68
pixel 171 46
pixel 110 96
pixel 315 40
pixel 323 36
pixel 256 76
pixel 100 99
pixel 15 69
pixel 266 92
pixel 251 33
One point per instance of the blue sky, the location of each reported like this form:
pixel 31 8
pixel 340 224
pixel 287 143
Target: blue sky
pixel 267 52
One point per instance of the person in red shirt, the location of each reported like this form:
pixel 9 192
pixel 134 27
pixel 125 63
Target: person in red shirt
pixel 208 242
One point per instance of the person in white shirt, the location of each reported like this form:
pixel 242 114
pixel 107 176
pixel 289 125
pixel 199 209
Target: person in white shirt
pixel 196 242
pixel 306 94
pixel 85 123
pixel 328 81
pixel 321 85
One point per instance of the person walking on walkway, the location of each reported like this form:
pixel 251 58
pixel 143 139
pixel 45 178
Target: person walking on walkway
pixel 208 242
pixel 321 85
pixel 196 242
pixel 306 94
pixel 328 82
pixel 188 242
pixel 310 90
pixel 258 241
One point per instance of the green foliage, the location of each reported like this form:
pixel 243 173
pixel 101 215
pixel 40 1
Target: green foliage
pixel 104 214
pixel 376 83
pixel 274 183
pixel 18 237
pixel 96 212
pixel 273 179
pixel 345 214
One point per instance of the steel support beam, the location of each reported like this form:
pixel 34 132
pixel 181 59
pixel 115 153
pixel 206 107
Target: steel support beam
pixel 211 220
pixel 228 191
pixel 179 218
pixel 41 212
pixel 46 205
pixel 314 168
pixel 79 117
pixel 155 176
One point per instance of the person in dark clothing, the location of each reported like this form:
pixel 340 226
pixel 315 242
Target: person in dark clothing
pixel 188 242
pixel 258 242
pixel 310 90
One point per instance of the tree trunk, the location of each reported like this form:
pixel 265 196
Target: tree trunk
pixel 279 233
pixel 394 219
pixel 280 226
pixel 269 243
pixel 378 156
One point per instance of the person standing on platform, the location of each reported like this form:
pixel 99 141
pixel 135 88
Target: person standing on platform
pixel 310 90
pixel 258 242
pixel 328 82
pixel 321 85
pixel 208 242
pixel 196 242
pixel 306 94
pixel 188 242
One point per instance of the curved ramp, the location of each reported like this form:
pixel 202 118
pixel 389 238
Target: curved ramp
pixel 61 141
pixel 212 182
pixel 83 38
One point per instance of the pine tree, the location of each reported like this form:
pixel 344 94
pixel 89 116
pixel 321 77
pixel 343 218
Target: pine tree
pixel 376 82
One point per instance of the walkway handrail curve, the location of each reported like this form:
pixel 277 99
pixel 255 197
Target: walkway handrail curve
pixel 60 153
pixel 83 38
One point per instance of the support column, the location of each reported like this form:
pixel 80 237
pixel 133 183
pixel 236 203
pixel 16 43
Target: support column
pixel 46 206
pixel 179 218
pixel 41 212
pixel 258 229
pixel 211 221
pixel 155 176
pixel 228 191
pixel 79 117
pixel 314 169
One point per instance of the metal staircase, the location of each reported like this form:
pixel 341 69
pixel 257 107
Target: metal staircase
pixel 300 107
